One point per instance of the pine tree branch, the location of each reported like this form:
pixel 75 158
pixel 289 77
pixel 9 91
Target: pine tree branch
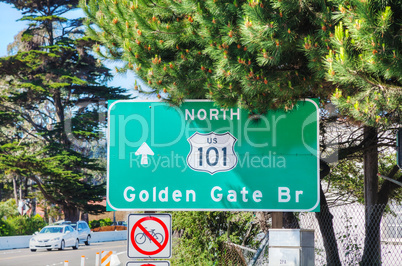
pixel 344 153
pixel 163 32
pixel 43 191
pixel 37 127
pixel 382 87
pixel 156 5
pixel 388 186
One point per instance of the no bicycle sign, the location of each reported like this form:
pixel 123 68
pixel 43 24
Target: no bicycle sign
pixel 203 157
pixel 149 236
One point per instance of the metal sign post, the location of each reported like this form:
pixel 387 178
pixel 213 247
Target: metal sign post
pixel 399 147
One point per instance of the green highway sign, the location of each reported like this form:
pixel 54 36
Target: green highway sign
pixel 202 157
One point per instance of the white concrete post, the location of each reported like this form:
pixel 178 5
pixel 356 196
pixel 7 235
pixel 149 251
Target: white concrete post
pixel 97 259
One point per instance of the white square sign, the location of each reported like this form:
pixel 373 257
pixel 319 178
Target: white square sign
pixel 149 236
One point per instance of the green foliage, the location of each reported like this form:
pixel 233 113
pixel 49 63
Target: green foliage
pixel 385 165
pixel 204 233
pixel 348 179
pixel 6 187
pixel 99 223
pixel 8 208
pixel 25 225
pixel 243 52
pixel 350 241
pixel 105 222
pixel 52 98
pixel 5 228
pixel 365 61
pixel 21 225
pixel 260 54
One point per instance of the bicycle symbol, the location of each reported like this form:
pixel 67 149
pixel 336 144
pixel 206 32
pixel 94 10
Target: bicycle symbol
pixel 140 238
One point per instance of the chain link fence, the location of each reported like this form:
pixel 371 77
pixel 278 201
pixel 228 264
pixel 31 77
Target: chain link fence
pixel 236 255
pixel 350 234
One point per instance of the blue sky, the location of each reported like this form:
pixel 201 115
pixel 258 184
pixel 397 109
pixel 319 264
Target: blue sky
pixel 9 27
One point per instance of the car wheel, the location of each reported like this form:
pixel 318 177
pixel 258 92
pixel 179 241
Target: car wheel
pixel 62 245
pixel 87 241
pixel 33 250
pixel 49 249
pixel 76 244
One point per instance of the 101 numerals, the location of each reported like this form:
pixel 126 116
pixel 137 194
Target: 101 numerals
pixel 212 160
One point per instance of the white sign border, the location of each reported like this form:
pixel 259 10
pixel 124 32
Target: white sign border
pixel 143 215
pixel 213 209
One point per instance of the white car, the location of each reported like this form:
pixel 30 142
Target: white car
pixel 84 232
pixel 54 236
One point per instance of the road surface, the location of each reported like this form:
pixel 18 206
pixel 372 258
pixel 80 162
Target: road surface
pixel 18 257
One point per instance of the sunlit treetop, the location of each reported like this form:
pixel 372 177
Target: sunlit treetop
pixel 256 54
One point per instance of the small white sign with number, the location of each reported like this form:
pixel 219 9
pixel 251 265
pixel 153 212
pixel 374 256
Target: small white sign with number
pixel 212 152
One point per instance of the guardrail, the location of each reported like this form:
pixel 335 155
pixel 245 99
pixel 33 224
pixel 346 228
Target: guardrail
pixel 14 242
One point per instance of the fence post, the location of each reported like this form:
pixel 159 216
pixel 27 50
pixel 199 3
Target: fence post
pixel 262 246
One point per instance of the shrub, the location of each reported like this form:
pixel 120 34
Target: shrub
pixel 105 222
pixel 6 229
pixel 99 223
pixel 204 234
pixel 24 225
pixel 94 224
pixel 35 223
pixel 8 208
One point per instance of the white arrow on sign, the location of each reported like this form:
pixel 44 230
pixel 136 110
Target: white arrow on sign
pixel 144 150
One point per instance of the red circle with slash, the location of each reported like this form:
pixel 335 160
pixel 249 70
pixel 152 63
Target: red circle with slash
pixel 139 225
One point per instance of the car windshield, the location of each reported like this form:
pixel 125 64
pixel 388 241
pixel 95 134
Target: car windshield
pixel 52 230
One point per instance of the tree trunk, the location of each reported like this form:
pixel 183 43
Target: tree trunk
pixel 84 217
pixel 33 207
pixel 262 218
pixel 372 252
pixel 372 241
pixel 373 212
pixel 290 221
pixel 324 218
pixel 60 118
pixel 25 188
pixel 370 169
pixel 20 191
pixel 71 214
pixel 277 220
pixel 15 190
pixel 45 213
